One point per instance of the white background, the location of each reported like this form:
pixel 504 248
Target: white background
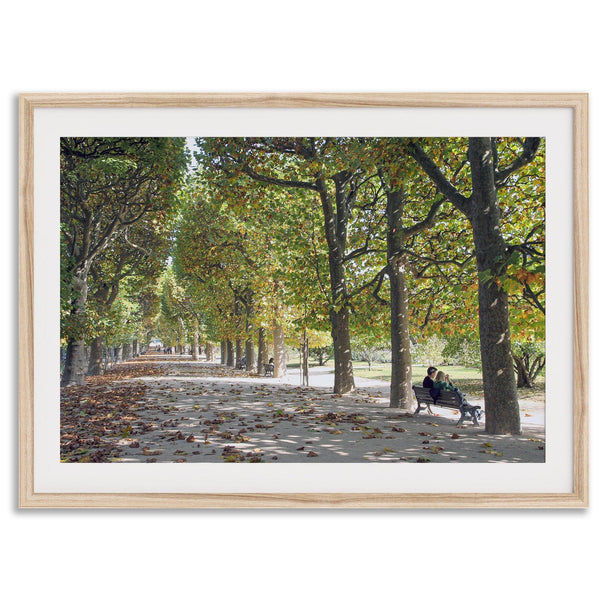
pixel 462 46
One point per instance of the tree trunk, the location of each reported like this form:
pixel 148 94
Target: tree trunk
pixel 339 315
pixel 250 353
pixel 304 355
pixel 280 368
pixel 210 352
pixel 96 365
pixel 118 354
pixel 223 352
pixel 336 223
pixel 499 386
pixel 250 356
pixel 75 361
pixel 195 348
pixel 263 351
pixel 523 376
pixel 401 377
pixel 342 351
pixel 230 354
pixel 126 351
pixel 239 351
pixel 135 348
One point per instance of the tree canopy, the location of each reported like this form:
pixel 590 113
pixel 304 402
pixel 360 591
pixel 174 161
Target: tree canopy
pixel 357 243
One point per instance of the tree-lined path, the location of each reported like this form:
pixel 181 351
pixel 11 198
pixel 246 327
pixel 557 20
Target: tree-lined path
pixel 163 408
pixel 278 251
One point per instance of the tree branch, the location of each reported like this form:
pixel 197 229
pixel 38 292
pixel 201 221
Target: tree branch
pixel 438 178
pixel 427 222
pixel 530 148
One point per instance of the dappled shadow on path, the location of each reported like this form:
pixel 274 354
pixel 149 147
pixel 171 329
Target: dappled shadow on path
pixel 187 411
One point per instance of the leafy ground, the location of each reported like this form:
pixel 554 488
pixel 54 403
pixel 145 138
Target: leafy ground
pixel 169 409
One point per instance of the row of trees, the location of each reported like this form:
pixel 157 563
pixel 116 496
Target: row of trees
pixel 354 240
pixel 118 200
pixel 376 234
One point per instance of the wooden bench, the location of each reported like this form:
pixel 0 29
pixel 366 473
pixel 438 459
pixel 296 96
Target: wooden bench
pixel 269 369
pixel 447 399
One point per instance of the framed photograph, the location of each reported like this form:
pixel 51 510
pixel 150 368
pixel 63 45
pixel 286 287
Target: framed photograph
pixel 303 301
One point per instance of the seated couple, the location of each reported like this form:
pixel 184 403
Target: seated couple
pixel 439 381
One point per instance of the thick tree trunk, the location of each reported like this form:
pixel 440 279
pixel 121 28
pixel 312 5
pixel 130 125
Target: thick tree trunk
pixel 239 351
pixel 135 348
pixel 280 368
pixel 210 352
pixel 118 354
pixel 75 361
pixel 339 315
pixel 96 364
pixel 336 223
pixel 126 351
pixel 499 386
pixel 230 354
pixel 342 351
pixel 250 356
pixel 401 377
pixel 223 352
pixel 195 348
pixel 263 351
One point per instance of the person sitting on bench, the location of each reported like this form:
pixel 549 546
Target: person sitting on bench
pixel 442 383
pixel 430 378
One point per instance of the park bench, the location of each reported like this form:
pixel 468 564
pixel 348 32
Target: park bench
pixel 447 399
pixel 269 369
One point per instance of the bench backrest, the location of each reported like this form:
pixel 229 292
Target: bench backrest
pixel 445 397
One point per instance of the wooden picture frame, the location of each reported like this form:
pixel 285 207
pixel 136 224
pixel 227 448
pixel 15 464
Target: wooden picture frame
pixel 31 103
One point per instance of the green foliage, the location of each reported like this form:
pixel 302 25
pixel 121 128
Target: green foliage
pixel 464 351
pixel 429 351
pixel 117 197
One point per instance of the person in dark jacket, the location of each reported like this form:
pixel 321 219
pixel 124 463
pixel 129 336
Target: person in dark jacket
pixel 429 379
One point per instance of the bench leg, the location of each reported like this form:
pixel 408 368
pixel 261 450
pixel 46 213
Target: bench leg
pixel 418 408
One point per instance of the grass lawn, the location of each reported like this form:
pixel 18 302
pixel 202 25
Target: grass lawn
pixel 468 380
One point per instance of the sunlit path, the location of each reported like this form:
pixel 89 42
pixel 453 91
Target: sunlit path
pixel 172 409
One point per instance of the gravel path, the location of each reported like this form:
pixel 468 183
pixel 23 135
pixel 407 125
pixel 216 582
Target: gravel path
pixel 203 412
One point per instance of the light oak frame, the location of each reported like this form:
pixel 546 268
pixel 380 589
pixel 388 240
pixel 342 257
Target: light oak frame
pixel 579 498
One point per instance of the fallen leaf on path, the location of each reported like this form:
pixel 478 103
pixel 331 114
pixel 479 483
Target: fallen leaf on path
pixel 147 452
